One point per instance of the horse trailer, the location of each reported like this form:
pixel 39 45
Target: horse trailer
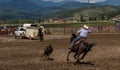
pixel 31 32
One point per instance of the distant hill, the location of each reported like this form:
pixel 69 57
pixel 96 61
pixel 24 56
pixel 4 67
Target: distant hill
pixel 23 9
pixel 15 14
pixel 98 12
pixel 40 8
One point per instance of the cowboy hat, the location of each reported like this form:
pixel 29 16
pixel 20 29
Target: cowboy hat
pixel 41 26
pixel 86 26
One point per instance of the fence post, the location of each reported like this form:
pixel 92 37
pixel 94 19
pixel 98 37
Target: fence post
pixel 64 27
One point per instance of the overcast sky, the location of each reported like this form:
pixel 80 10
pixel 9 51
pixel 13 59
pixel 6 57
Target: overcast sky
pixel 91 1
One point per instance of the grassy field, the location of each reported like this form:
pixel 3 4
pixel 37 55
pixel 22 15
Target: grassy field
pixel 79 24
pixel 69 24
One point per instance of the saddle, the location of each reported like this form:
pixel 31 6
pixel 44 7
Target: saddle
pixel 78 42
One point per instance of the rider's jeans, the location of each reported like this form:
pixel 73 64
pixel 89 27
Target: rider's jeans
pixel 75 40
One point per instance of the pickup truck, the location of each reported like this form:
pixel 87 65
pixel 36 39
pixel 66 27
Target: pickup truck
pixel 20 32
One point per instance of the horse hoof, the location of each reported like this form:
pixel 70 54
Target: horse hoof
pixel 75 57
pixel 78 61
pixel 67 59
pixel 81 58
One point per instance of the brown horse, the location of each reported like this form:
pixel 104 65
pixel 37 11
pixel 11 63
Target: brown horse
pixel 11 31
pixel 4 31
pixel 80 48
pixel 7 30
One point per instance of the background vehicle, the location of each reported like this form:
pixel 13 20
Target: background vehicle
pixel 31 32
pixel 27 31
pixel 20 32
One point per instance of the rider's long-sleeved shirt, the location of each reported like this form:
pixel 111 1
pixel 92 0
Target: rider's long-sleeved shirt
pixel 83 32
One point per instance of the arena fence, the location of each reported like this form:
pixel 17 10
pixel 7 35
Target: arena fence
pixel 94 29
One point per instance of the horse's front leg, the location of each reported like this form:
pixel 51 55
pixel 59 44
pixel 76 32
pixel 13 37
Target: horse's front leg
pixel 78 54
pixel 75 55
pixel 78 60
pixel 68 55
pixel 84 55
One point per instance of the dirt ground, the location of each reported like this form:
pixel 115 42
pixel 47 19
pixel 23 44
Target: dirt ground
pixel 25 54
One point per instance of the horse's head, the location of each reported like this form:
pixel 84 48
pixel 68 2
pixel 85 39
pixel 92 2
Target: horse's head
pixel 90 46
pixel 73 36
pixel 50 46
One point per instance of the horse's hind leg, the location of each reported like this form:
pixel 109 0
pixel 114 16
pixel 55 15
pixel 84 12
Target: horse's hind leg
pixel 42 56
pixel 47 57
pixel 68 55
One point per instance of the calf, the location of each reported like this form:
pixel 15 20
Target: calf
pixel 47 51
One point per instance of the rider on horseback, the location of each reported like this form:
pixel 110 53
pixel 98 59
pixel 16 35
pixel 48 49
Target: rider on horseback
pixel 81 34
